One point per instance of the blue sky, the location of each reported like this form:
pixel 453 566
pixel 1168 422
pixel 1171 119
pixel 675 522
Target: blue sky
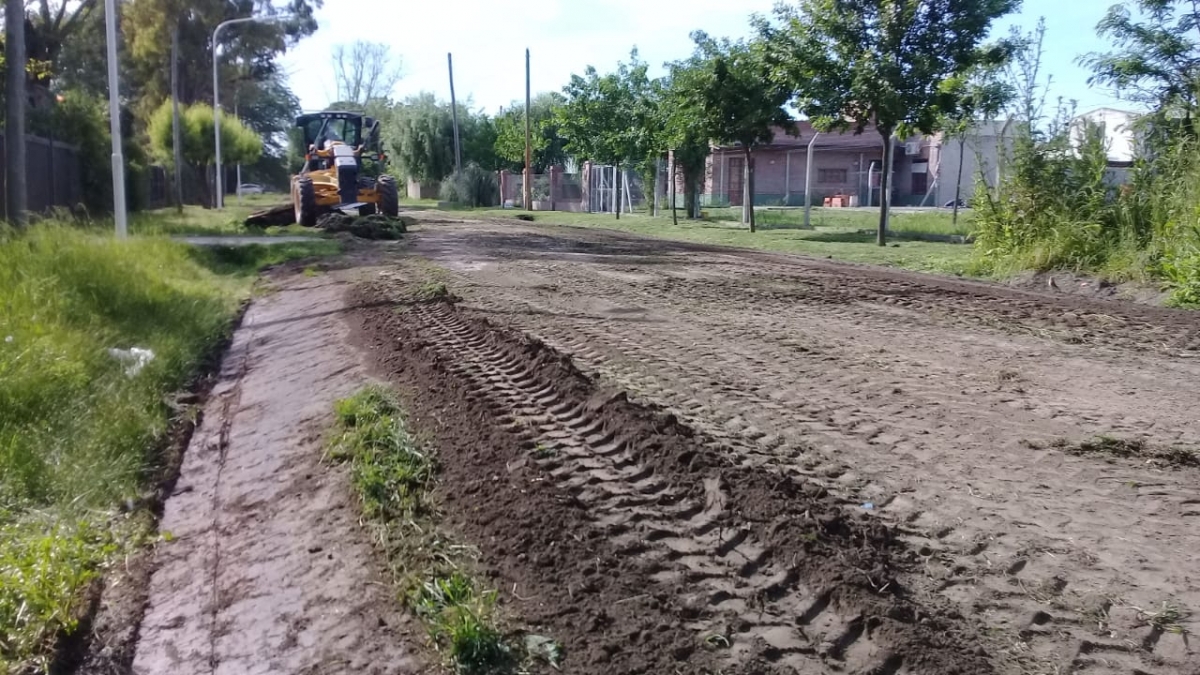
pixel 489 38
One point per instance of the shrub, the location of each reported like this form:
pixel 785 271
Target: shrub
pixel 473 186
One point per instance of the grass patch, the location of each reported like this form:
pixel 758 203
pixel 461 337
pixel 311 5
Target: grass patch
pixel 1168 618
pixel 197 220
pixel 1125 448
pixel 434 291
pixel 393 477
pixel 835 235
pixel 78 434
pixel 250 259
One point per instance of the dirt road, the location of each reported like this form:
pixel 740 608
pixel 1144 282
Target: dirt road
pixel 819 468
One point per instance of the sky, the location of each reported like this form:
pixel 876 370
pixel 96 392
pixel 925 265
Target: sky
pixel 488 40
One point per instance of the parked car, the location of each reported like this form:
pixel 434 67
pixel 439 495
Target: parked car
pixel 251 189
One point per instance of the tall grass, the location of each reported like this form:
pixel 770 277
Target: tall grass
pixel 1057 209
pixel 77 432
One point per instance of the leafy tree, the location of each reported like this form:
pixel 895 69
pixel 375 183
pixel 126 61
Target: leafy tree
pixel 420 130
pixel 882 62
pixel 249 51
pixel 683 136
pixel 725 91
pixel 239 143
pixel 1157 59
pixel 421 134
pixel 548 146
pixel 978 96
pixel 365 72
pixel 611 119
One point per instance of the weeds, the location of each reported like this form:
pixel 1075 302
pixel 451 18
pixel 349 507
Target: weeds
pixel 1168 619
pixel 434 291
pixel 393 477
pixel 1124 448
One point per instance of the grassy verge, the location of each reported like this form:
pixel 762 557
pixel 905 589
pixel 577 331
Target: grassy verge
pixel 196 220
pixel 80 429
pixel 393 477
pixel 835 235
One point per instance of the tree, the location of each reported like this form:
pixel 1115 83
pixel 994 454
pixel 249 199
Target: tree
pixel 882 62
pixel 1157 60
pixel 684 137
pixel 422 137
pixel 365 72
pixel 239 143
pixel 611 119
pixel 979 95
pixel 726 91
pixel 249 51
pixel 549 147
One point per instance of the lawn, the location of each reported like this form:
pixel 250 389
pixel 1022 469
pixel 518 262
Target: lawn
pixel 842 234
pixel 197 220
pixel 80 433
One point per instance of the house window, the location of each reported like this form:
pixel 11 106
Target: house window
pixel 831 176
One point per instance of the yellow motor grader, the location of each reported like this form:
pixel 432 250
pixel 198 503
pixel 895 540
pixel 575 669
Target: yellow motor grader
pixel 333 177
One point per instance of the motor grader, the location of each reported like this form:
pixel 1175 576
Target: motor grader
pixel 333 176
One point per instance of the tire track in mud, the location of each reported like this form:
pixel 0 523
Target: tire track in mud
pixel 1026 594
pixel 775 564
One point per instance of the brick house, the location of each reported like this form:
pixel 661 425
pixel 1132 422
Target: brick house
pixel 924 168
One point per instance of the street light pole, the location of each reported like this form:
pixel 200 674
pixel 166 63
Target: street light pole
pixel 220 197
pixel 114 113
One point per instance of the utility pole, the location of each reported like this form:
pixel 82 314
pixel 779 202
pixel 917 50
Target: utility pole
pixel 808 169
pixel 14 130
pixel 114 114
pixel 176 123
pixel 454 112
pixel 528 143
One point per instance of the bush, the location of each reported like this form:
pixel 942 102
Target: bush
pixel 473 186
pixel 1057 208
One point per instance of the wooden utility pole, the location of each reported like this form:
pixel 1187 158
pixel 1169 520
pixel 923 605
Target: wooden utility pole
pixel 176 124
pixel 14 129
pixel 454 112
pixel 528 143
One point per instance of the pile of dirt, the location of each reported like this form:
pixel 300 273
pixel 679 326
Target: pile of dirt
pixel 637 542
pixel 374 226
pixel 280 215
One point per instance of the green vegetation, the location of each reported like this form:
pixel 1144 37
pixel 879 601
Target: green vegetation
pixel 80 427
pixel 239 143
pixel 393 477
pixel 1057 208
pixel 842 237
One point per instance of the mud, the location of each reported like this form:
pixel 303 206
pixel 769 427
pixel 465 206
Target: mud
pixel 936 405
pixel 638 541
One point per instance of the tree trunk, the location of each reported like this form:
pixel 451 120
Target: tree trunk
pixel 962 143
pixel 750 163
pixel 617 189
pixel 885 185
pixel 671 186
pixel 747 195
pixel 14 130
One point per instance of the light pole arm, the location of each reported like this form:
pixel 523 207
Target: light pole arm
pixel 220 196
